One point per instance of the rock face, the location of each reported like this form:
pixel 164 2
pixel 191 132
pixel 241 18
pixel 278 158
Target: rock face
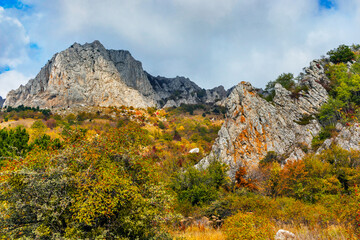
pixel 90 75
pixel 176 91
pixel 1 101
pixel 347 138
pixel 254 126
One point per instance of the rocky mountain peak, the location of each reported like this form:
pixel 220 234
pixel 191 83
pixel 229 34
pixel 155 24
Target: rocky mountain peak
pixel 80 75
pixel 91 75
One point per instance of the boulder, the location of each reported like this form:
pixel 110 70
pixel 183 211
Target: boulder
pixel 284 235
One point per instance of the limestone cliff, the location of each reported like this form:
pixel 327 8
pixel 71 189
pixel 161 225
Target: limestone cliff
pixel 83 75
pixel 90 75
pixel 254 126
pixel 1 101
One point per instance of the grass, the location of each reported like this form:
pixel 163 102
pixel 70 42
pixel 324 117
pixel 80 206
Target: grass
pixel 14 123
pixel 198 233
pixel 303 232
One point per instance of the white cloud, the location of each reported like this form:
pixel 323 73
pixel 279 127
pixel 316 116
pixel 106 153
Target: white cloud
pixel 212 42
pixel 11 80
pixel 13 40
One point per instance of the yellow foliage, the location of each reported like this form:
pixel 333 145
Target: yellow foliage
pixel 197 233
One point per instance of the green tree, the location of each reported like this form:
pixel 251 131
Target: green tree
pixel 198 185
pixel 99 189
pixel 341 54
pixel 14 142
pixel 285 79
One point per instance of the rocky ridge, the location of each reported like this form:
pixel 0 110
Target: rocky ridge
pixel 1 101
pixel 254 126
pixel 90 75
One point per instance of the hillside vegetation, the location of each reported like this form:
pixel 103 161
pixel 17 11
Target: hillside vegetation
pixel 125 173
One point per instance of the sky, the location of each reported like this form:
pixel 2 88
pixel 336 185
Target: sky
pixel 212 42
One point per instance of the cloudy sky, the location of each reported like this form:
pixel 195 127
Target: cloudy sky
pixel 212 42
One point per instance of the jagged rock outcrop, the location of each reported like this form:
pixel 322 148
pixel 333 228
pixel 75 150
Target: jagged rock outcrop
pixel 255 126
pixel 90 75
pixel 1 101
pixel 348 138
pixel 179 90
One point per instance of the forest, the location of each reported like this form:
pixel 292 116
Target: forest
pixel 126 173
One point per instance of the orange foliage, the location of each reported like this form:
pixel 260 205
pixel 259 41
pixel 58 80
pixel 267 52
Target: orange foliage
pixel 241 182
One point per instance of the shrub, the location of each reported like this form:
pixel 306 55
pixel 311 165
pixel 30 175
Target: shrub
pixel 242 182
pixel 199 186
pixel 341 54
pixel 248 226
pixel 161 125
pixel 270 157
pixel 285 79
pixel 51 123
pixel 14 142
pixel 98 189
pixel 305 119
pixel 324 134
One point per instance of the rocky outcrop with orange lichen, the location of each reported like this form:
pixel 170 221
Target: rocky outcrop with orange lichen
pixel 255 126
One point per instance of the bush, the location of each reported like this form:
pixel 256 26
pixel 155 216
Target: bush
pixel 14 142
pixel 98 189
pixel 324 134
pixel 248 226
pixel 270 157
pixel 341 54
pixel 305 119
pixel 199 186
pixel 285 79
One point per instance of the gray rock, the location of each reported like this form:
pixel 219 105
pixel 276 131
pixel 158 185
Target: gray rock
pixel 90 75
pixel 180 90
pixel 194 150
pixel 284 235
pixel 254 126
pixel 348 138
pixel 81 75
pixel 1 101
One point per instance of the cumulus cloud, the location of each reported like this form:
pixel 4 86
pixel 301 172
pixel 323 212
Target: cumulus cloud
pixel 13 40
pixel 11 80
pixel 212 42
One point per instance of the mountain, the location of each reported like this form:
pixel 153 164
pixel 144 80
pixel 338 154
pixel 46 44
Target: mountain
pixel 286 126
pixel 90 75
pixel 1 101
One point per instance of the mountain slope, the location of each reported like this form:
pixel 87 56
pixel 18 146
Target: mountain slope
pixel 90 75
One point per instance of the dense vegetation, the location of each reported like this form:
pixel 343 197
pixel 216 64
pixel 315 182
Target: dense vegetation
pixel 125 173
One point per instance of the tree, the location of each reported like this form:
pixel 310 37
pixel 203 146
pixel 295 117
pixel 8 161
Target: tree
pixel 285 79
pixel 341 54
pixel 199 186
pixel 99 189
pixel 14 142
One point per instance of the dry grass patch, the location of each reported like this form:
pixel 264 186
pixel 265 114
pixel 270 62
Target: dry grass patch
pixel 199 233
pixel 317 233
pixel 21 122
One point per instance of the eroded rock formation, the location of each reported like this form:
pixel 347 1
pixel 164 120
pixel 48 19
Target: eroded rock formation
pixel 90 75
pixel 254 126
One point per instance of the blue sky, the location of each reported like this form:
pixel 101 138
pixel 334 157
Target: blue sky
pixel 212 42
pixel 327 4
